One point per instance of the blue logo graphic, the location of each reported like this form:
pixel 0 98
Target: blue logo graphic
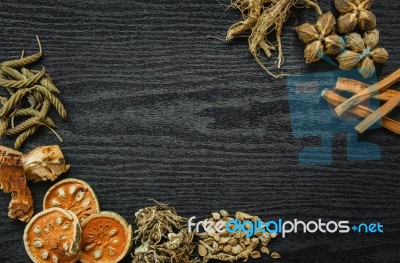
pixel 313 116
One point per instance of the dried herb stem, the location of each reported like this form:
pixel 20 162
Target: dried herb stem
pixel 54 100
pixel 22 62
pixel 18 84
pixel 23 136
pixel 24 125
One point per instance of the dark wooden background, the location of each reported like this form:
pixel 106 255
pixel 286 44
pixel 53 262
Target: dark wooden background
pixel 157 109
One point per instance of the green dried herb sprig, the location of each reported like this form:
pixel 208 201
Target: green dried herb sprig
pixel 32 86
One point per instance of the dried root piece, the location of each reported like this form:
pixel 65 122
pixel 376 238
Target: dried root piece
pixel 74 195
pixel 163 235
pixel 155 222
pixel 53 235
pixel 263 17
pixel 44 163
pixel 12 180
pixel 106 238
pixel 227 246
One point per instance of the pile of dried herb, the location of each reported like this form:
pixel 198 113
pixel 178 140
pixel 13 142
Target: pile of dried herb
pixel 163 236
pixel 234 246
pixel 263 17
pixel 31 93
pixel 353 50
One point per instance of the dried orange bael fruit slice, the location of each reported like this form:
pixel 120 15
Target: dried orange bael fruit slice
pixel 53 235
pixel 74 195
pixel 106 238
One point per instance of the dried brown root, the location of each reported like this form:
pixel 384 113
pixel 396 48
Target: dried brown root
pixel 263 17
pixel 12 180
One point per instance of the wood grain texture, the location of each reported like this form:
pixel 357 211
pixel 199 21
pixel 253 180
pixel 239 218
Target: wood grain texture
pixel 157 109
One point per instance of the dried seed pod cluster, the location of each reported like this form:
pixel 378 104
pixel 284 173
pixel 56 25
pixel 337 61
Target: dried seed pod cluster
pixel 354 50
pixel 362 53
pixel 262 17
pixel 163 235
pixel 31 87
pixel 99 236
pixel 230 247
pixel 41 164
pixel 320 38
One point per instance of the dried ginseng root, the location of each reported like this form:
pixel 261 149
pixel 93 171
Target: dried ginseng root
pixel 106 238
pixel 53 235
pixel 74 195
pixel 12 180
pixel 44 163
pixel 263 17
pixel 226 246
pixel 154 222
pixel 163 235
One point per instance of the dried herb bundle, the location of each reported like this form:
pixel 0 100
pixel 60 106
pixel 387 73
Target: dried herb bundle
pixel 163 235
pixel 263 17
pixel 230 247
pixel 27 87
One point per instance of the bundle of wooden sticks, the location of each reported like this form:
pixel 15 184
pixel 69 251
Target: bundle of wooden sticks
pixel 362 92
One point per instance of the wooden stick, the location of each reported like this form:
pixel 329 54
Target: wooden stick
pixel 378 114
pixel 365 94
pixel 355 86
pixel 361 111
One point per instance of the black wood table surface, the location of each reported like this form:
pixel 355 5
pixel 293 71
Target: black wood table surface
pixel 160 109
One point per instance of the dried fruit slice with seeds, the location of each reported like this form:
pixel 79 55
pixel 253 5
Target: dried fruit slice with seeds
pixel 74 195
pixel 53 235
pixel 106 238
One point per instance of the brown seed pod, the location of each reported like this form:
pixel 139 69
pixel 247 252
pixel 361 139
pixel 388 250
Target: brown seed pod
pixel 355 42
pixel 314 51
pixel 346 23
pixel 74 195
pixel 345 6
pixel 379 55
pixel 366 20
pixel 326 24
pixel 334 44
pixel 307 33
pixel 348 59
pixel 106 238
pixel 53 235
pixel 367 68
pixel 371 38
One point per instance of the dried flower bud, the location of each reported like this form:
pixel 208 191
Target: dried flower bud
pixel 380 55
pixel 307 33
pixel 366 20
pixel 334 44
pixel 348 59
pixel 371 38
pixel 314 51
pixel 355 42
pixel 367 68
pixel 326 24
pixel 347 22
pixel 345 6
